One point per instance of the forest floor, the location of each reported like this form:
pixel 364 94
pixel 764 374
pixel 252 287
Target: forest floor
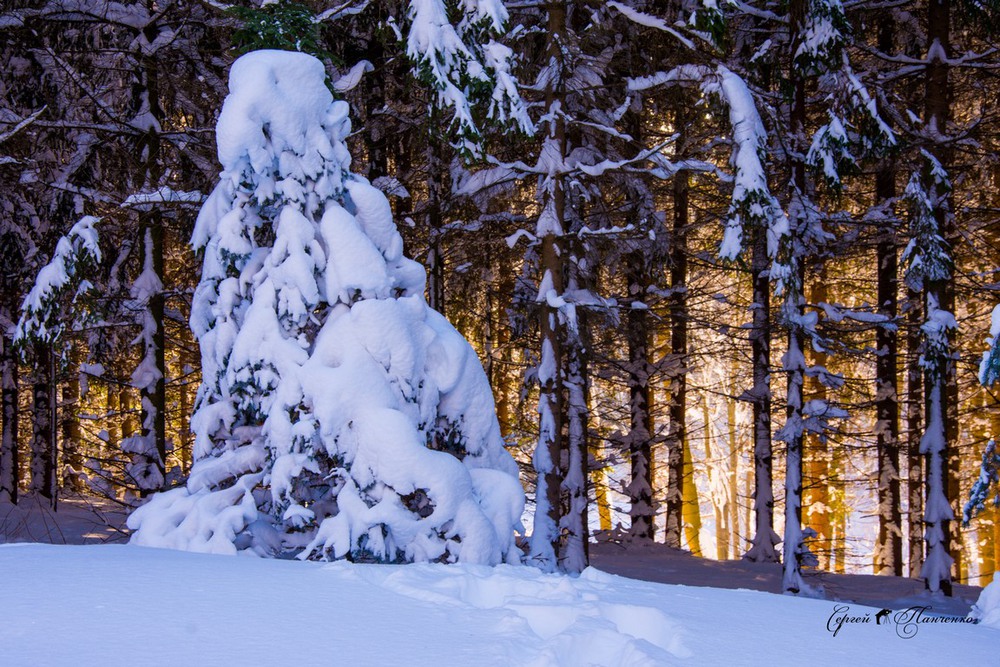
pixel 76 520
pixel 88 520
pixel 662 564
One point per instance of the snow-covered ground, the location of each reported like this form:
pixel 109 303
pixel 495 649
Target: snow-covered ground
pixel 118 604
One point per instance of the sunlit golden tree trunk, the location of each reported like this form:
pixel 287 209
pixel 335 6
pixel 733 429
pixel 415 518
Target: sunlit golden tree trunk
pixel 734 488
pixel 816 500
pixel 9 460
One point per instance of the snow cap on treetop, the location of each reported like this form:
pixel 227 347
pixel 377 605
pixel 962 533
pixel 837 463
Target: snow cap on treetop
pixel 280 98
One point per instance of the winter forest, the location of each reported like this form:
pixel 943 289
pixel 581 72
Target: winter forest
pixel 488 282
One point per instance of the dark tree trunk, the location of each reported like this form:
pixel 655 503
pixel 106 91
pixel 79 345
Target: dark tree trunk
pixel 43 441
pixel 941 393
pixel 889 545
pixel 70 424
pixel 793 547
pixel 150 462
pixel 914 426
pixel 435 220
pixel 638 335
pixel 677 433
pixel 640 449
pixel 549 450
pixel 574 552
pixel 762 549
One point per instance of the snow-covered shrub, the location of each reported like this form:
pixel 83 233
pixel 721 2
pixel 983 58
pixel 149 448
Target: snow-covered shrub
pixel 987 607
pixel 339 416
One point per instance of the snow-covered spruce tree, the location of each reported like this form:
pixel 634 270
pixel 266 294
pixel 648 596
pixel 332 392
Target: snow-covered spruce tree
pixel 819 35
pixel 339 416
pixel 930 267
pixel 931 264
pixel 55 304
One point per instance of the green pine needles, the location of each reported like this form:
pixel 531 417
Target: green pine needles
pixel 286 26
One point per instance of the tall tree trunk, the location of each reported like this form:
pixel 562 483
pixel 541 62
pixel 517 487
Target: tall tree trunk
pixel 9 461
pixel 601 499
pixel 719 506
pixel 691 509
pixel 550 229
pixel 435 220
pixel 816 499
pixel 640 436
pixel 996 539
pixel 574 551
pixel 983 528
pixel 794 549
pixel 940 397
pixel 501 361
pixel 762 549
pixel 187 392
pixel 150 450
pixel 839 510
pixel 748 509
pixel 113 443
pixel 889 542
pixel 70 423
pixel 639 264
pixel 734 487
pixel 914 426
pixel 677 429
pixel 43 441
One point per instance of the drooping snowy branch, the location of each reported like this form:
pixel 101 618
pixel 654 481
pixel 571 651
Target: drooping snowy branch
pixel 649 21
pixel 59 286
pixel 457 60
pixel 751 204
pixel 988 478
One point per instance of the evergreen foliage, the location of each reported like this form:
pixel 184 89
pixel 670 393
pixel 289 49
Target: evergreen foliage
pixel 339 416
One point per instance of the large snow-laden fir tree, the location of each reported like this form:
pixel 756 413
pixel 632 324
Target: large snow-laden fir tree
pixel 339 415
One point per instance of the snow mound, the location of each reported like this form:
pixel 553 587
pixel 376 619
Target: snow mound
pixel 339 416
pixel 987 607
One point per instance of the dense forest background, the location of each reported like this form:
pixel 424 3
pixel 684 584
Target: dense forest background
pixel 740 256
